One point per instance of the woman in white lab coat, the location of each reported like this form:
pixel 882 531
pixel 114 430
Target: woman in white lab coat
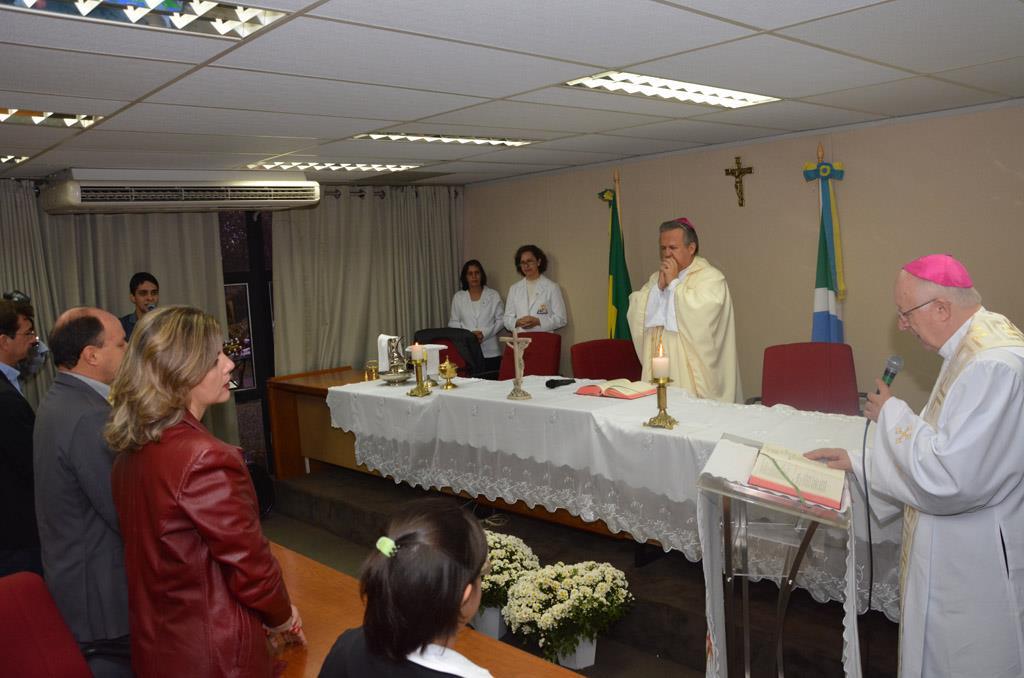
pixel 478 308
pixel 534 304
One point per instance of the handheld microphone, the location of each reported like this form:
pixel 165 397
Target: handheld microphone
pixel 892 368
pixel 150 307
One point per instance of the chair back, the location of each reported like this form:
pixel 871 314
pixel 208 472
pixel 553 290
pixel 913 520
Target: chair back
pixel 813 376
pixel 34 640
pixel 541 357
pixel 464 341
pixel 605 359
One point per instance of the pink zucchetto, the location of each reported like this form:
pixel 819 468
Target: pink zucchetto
pixel 940 269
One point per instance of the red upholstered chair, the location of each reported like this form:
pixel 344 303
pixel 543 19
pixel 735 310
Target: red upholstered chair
pixel 605 359
pixel 34 640
pixel 452 353
pixel 541 357
pixel 813 376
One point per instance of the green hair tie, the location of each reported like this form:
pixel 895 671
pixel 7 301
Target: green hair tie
pixel 387 546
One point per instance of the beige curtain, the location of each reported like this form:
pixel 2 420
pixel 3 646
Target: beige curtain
pixel 364 261
pixel 91 257
pixel 23 266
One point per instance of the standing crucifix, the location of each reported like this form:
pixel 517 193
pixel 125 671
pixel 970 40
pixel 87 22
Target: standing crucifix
pixel 518 345
pixel 738 173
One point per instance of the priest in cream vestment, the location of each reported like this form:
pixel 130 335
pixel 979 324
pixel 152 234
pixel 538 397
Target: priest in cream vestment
pixel 958 470
pixel 686 306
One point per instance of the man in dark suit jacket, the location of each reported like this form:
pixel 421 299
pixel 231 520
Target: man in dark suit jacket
pixel 19 539
pixel 83 556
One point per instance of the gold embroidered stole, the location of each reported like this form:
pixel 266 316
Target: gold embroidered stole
pixel 988 330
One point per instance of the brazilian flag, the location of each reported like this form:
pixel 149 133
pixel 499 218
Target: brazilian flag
pixel 619 287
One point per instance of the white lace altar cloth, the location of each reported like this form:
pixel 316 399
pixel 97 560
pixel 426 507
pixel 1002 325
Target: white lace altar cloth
pixel 594 458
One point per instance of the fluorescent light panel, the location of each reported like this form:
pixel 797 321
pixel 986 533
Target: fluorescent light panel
pixel 12 159
pixel 431 138
pixel 17 116
pixel 191 16
pixel 332 166
pixel 650 86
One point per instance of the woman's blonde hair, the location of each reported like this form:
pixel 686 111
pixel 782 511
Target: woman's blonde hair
pixel 171 350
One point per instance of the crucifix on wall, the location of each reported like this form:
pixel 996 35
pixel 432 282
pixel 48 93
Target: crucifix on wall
pixel 738 173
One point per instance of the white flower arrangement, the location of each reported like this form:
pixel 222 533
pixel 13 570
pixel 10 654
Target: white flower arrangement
pixel 563 604
pixel 510 558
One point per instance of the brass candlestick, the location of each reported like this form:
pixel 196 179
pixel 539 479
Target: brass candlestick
pixel 662 419
pixel 448 370
pixel 420 389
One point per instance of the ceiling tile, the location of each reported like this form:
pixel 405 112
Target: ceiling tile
pixel 490 167
pixel 552 118
pixel 33 69
pixel 329 49
pixel 58 104
pixel 1002 76
pixel 925 35
pixel 790 115
pixel 502 132
pixel 385 150
pixel 200 120
pixel 106 159
pixel 31 170
pixel 697 131
pixel 772 66
pixel 145 141
pixel 99 37
pixel 229 88
pixel 461 178
pixel 575 30
pixel 548 156
pixel 622 146
pixel 33 136
pixel 906 97
pixel 612 101
pixel 772 14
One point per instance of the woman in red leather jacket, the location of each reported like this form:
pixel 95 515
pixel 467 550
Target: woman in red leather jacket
pixel 204 590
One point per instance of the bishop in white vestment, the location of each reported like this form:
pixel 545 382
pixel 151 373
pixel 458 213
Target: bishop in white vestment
pixel 686 308
pixel 958 468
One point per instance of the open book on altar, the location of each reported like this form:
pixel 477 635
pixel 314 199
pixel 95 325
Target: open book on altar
pixel 793 474
pixel 618 388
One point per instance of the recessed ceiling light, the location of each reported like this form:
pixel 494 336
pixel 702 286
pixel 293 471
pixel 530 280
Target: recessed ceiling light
pixel 429 138
pixel 191 16
pixel 17 116
pixel 333 166
pixel 12 159
pixel 650 86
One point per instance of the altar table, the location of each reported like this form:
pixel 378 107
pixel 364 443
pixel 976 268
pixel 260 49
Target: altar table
pixel 593 457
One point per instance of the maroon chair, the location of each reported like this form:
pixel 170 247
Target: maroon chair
pixel 34 640
pixel 605 359
pixel 452 353
pixel 541 357
pixel 813 376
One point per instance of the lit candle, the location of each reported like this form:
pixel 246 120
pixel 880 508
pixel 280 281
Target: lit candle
pixel 416 352
pixel 659 364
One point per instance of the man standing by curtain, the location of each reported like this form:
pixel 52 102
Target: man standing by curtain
pixel 19 538
pixel 83 556
pixel 144 291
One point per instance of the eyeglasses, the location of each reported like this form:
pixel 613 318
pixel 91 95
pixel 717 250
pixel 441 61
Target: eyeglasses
pixel 527 262
pixel 29 333
pixel 905 315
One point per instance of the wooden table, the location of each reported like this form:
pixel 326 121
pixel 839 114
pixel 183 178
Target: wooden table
pixel 329 603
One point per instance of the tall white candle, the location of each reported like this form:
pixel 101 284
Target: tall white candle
pixel 659 367
pixel 416 352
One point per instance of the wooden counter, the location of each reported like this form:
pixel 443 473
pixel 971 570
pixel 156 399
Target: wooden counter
pixel 329 603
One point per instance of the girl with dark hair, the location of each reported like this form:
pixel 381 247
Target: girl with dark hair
pixel 478 308
pixel 534 304
pixel 421 585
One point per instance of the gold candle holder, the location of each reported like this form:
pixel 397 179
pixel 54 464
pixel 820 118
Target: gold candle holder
pixel 420 389
pixel 662 419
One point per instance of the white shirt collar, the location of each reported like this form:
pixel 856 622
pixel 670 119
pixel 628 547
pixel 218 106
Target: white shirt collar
pixel 98 386
pixel 953 343
pixel 447 660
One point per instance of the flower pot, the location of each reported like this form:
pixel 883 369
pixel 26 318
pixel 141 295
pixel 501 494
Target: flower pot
pixel 488 621
pixel 582 657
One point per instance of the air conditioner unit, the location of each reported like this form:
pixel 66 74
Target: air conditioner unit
pixel 77 190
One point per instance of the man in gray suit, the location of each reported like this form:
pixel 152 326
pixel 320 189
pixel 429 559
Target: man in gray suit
pixel 83 556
